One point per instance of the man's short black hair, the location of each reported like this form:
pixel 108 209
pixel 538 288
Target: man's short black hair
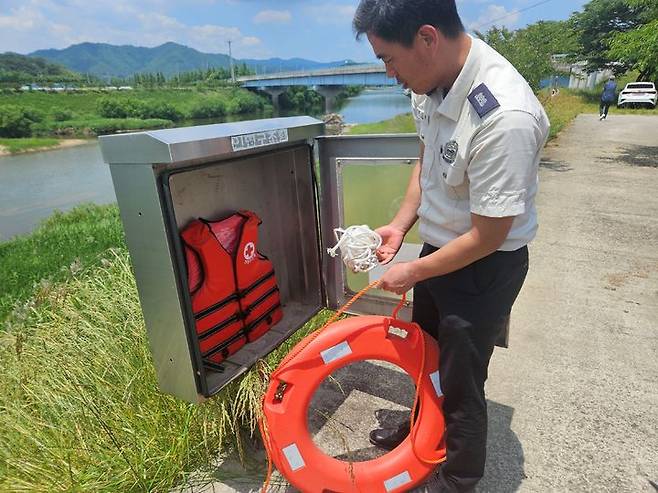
pixel 399 20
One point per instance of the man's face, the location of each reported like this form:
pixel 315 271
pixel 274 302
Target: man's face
pixel 409 65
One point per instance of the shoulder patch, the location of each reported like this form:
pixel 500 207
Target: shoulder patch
pixel 482 100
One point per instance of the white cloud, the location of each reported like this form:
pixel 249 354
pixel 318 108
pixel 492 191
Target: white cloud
pixel 272 16
pixel 496 15
pixel 21 19
pixel 38 24
pixel 331 13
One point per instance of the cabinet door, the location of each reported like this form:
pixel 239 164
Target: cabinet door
pixel 363 180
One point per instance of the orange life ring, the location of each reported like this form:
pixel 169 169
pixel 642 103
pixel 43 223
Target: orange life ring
pixel 293 384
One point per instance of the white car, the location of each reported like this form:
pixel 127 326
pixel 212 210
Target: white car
pixel 638 94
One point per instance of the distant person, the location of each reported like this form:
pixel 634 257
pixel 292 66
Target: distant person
pixel 607 97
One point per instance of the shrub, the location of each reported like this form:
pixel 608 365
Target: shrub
pixel 34 115
pixel 208 108
pixel 62 115
pixel 158 109
pixel 301 98
pixel 112 107
pixel 16 121
pixel 241 102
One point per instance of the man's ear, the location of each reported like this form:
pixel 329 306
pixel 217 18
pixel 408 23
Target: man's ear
pixel 428 35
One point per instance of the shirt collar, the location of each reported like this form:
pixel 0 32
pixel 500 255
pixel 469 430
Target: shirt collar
pixel 452 104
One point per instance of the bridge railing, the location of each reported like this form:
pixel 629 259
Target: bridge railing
pixel 350 69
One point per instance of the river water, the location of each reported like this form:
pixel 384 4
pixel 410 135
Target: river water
pixel 34 185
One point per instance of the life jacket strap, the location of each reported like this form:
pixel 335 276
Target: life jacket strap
pixel 264 316
pixel 224 346
pixel 215 306
pixel 242 293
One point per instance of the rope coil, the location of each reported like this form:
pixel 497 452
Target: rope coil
pixel 358 246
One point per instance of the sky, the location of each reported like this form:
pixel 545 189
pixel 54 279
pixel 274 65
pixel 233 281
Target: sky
pixel 311 29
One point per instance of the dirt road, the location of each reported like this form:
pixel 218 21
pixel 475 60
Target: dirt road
pixel 575 398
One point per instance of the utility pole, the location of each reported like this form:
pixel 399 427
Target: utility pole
pixel 230 58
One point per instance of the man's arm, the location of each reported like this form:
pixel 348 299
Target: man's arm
pixel 486 235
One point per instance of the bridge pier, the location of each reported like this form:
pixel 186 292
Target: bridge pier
pixel 329 93
pixel 274 93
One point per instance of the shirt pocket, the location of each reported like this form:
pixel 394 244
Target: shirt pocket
pixel 453 164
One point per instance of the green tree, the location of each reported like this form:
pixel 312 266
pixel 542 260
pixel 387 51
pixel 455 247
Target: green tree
pixel 599 23
pixel 15 121
pixel 638 47
pixel 530 49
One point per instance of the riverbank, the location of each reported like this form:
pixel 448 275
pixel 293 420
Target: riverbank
pixel 10 147
pixel 88 114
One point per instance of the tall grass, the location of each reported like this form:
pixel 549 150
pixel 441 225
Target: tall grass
pixel 63 242
pixel 19 144
pixel 79 409
pixel 396 125
pixel 79 404
pixel 563 108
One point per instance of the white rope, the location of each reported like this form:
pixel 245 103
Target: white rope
pixel 358 246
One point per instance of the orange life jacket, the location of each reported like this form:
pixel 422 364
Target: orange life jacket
pixel 235 298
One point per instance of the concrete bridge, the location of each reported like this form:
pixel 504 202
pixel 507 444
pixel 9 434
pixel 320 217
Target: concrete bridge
pixel 328 82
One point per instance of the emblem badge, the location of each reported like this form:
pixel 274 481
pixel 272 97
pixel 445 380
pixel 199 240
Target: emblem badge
pixel 249 252
pixel 450 151
pixel 482 100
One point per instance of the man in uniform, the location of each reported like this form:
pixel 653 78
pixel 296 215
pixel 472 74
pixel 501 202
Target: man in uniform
pixel 481 131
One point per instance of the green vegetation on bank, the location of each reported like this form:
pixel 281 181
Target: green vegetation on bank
pixel 92 113
pixel 21 69
pixel 397 125
pixel 64 242
pixel 20 145
pixel 81 410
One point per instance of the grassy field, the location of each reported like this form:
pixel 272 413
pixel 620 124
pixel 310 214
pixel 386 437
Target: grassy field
pixel 62 244
pixel 84 105
pixel 397 125
pixel 86 114
pixel 20 145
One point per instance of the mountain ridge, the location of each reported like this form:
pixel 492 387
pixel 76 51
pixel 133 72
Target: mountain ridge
pixel 106 60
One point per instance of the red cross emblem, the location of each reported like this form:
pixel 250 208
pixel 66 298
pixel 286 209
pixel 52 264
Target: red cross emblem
pixel 249 252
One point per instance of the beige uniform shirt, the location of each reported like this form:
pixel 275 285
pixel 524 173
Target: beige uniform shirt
pixel 482 150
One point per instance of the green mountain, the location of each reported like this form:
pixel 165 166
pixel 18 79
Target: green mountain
pixel 17 68
pixel 105 60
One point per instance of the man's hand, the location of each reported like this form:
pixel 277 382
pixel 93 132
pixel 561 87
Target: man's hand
pixel 400 278
pixel 391 241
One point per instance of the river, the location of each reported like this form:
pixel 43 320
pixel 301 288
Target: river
pixel 34 185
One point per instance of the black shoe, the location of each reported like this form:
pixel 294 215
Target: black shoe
pixel 389 438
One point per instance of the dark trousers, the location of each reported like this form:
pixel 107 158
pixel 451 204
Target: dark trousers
pixel 603 108
pixel 465 311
